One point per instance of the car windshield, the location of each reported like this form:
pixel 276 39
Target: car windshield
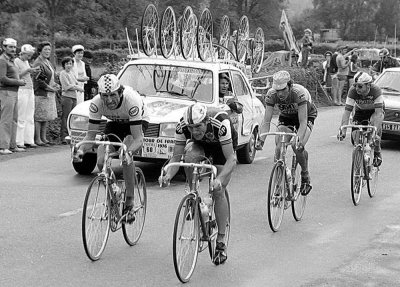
pixel 170 81
pixel 390 81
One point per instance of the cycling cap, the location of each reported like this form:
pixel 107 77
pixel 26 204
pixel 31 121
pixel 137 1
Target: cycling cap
pixel 195 114
pixel 384 52
pixel 108 83
pixel 280 80
pixel 362 78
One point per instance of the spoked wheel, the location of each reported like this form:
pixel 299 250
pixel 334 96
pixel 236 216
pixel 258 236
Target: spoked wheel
pixel 133 231
pixel 178 36
pixel 149 30
pixel 188 35
pixel 373 181
pixel 224 35
pixel 276 196
pixel 213 229
pixel 258 51
pixel 241 39
pixel 358 181
pixel 299 203
pixel 205 35
pixel 186 238
pixel 96 218
pixel 168 32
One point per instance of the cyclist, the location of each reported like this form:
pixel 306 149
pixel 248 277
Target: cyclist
pixel 297 111
pixel 208 132
pixel 367 101
pixel 126 111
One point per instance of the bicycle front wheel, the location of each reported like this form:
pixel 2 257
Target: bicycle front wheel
pixel 358 181
pixel 133 231
pixel 96 218
pixel 186 238
pixel 372 183
pixel 276 196
pixel 300 201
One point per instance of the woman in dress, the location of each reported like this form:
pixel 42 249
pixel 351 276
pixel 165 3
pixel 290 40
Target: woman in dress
pixel 45 87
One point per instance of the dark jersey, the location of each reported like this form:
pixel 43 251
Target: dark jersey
pixel 381 65
pixel 371 101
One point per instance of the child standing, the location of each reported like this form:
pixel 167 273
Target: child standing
pixel 70 86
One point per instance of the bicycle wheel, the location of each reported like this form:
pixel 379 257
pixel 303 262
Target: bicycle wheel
pixel 168 32
pixel 186 238
pixel 213 229
pixel 276 196
pixel 133 231
pixel 372 183
pixel 300 201
pixel 96 218
pixel 242 36
pixel 205 35
pixel 358 181
pixel 258 51
pixel 149 30
pixel 224 35
pixel 188 35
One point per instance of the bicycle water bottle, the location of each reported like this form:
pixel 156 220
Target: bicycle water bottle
pixel 204 211
pixel 288 174
pixel 208 202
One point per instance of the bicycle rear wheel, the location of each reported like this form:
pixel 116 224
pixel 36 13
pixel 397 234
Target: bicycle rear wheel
pixel 133 231
pixel 300 201
pixel 224 35
pixel 168 32
pixel 205 35
pixel 149 30
pixel 373 181
pixel 276 196
pixel 186 238
pixel 96 218
pixel 241 39
pixel 258 51
pixel 358 181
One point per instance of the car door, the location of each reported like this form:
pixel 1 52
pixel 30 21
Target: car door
pixel 242 92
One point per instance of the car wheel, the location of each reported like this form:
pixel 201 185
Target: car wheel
pixel 247 153
pixel 87 165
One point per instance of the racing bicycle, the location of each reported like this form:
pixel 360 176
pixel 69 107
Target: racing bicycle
pixel 105 201
pixel 195 226
pixel 284 184
pixel 364 171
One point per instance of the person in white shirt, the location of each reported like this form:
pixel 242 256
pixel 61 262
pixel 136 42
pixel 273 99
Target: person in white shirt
pixel 26 99
pixel 79 70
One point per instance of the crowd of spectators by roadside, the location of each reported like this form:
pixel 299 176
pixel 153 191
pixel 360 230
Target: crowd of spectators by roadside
pixel 29 87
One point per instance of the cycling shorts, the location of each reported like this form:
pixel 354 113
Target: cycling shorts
pixel 121 130
pixel 212 151
pixel 292 123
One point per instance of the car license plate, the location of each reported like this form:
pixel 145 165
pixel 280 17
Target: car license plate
pixel 391 127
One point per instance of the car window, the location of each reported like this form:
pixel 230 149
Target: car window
pixel 240 86
pixel 170 81
pixel 389 80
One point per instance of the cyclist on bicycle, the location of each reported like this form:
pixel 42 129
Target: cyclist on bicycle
pixel 297 112
pixel 367 101
pixel 208 132
pixel 126 111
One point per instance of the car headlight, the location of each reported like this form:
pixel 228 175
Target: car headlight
pixel 77 122
pixel 167 130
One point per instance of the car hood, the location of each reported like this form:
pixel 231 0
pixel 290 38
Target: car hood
pixel 165 110
pixel 392 101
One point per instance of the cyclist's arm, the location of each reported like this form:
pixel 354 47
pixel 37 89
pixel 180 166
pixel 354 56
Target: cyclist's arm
pixel 302 114
pixel 179 149
pixel 229 165
pixel 266 123
pixel 137 134
pixel 378 114
pixel 93 129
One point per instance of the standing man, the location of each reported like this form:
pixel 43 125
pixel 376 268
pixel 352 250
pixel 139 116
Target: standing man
pixel 343 62
pixel 306 45
pixel 26 99
pixel 91 85
pixel 9 84
pixel 79 70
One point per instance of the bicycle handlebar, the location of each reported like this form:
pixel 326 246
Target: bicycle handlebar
pixel 278 134
pixel 188 164
pixel 373 128
pixel 96 142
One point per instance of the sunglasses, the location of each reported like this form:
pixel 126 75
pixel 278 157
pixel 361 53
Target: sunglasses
pixel 360 86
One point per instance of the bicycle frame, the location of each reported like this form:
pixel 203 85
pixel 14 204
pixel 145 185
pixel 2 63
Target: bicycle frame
pixel 363 133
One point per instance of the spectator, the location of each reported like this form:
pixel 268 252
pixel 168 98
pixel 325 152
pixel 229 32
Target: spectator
pixel 26 98
pixel 91 85
pixel 9 84
pixel 353 69
pixel 69 87
pixel 79 70
pixel 44 87
pixel 343 62
pixel 226 95
pixel 306 45
pixel 326 66
pixel 385 62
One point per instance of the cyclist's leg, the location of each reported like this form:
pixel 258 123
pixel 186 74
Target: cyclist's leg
pixel 376 120
pixel 128 170
pixel 194 152
pixel 284 125
pixel 111 128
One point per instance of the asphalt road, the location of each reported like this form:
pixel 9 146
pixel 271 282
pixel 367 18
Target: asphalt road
pixel 336 243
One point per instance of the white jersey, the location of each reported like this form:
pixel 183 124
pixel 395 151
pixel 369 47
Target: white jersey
pixel 130 110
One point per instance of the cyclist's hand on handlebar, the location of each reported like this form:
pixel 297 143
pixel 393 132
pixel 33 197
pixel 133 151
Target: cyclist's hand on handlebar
pixel 341 135
pixel 300 147
pixel 164 180
pixel 77 155
pixel 259 144
pixel 216 184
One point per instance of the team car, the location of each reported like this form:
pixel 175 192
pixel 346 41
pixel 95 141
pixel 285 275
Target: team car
pixel 168 87
pixel 389 82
